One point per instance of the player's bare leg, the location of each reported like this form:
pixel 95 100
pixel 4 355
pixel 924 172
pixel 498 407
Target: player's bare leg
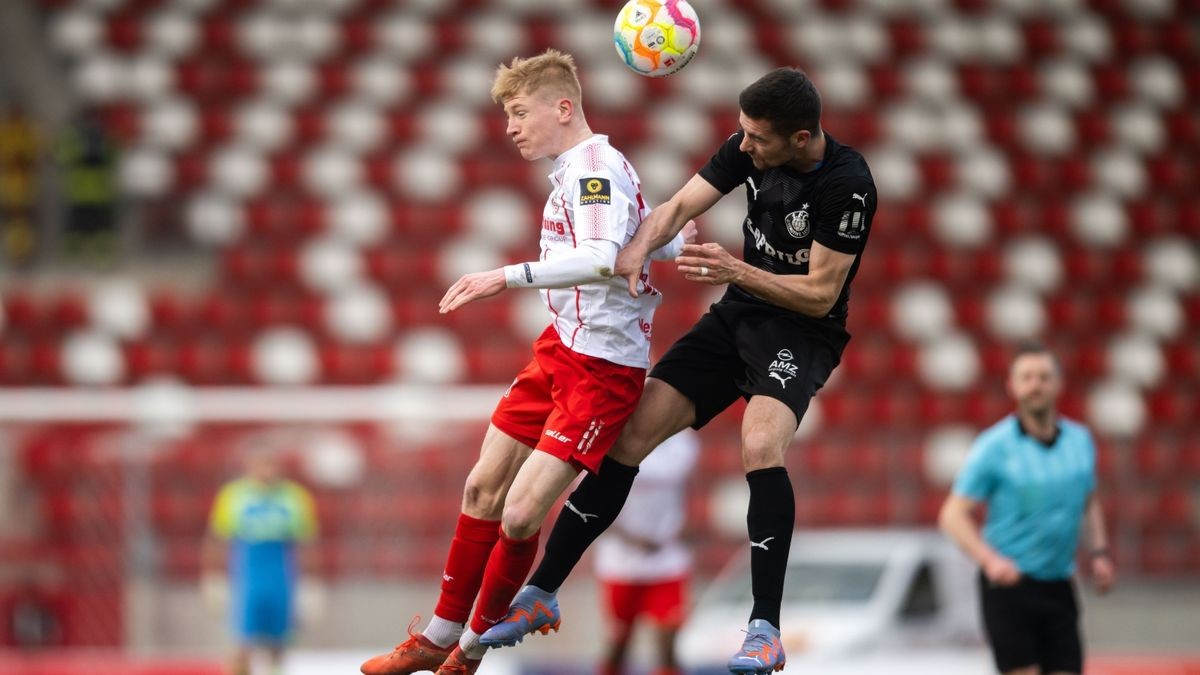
pixel 665 638
pixel 538 484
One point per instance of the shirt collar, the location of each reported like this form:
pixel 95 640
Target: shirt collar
pixel 563 159
pixel 1025 432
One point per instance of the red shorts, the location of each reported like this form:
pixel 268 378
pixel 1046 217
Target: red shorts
pixel 569 405
pixel 662 601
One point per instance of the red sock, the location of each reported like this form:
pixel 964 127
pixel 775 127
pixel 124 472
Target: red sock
pixel 473 542
pixel 506 571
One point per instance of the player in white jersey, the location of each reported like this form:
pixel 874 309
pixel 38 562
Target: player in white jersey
pixel 642 563
pixel 595 207
pixel 587 373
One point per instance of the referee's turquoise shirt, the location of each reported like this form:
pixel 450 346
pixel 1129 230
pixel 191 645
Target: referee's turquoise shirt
pixel 1036 493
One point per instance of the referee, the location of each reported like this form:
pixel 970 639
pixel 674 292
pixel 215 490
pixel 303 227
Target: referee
pixel 1036 472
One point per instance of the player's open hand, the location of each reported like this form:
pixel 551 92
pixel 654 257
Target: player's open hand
pixel 708 263
pixel 472 287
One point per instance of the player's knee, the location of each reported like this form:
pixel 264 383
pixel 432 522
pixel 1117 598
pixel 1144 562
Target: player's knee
pixel 635 442
pixel 520 520
pixel 761 451
pixel 482 499
pixel 626 454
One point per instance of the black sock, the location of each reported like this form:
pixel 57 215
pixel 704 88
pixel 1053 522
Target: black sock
pixel 770 520
pixel 599 499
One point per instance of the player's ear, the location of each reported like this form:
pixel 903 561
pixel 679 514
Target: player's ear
pixel 566 109
pixel 800 138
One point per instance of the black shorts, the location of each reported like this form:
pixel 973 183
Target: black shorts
pixel 1032 623
pixel 741 349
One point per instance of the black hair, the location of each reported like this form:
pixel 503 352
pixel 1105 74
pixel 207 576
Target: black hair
pixel 1035 348
pixel 785 98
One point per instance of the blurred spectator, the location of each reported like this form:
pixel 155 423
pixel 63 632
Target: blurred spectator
pixel 87 157
pixel 641 561
pixel 260 529
pixel 18 187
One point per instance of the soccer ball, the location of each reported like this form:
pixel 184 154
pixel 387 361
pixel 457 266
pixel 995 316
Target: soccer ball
pixel 657 37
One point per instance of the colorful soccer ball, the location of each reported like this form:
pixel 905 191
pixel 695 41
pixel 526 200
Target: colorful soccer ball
pixel 657 37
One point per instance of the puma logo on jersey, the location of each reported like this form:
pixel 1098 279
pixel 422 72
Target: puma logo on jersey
pixel 861 198
pixel 447 578
pixel 582 516
pixel 761 544
pixel 750 182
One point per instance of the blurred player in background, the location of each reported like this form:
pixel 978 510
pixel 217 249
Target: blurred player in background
pixel 1036 472
pixel 642 563
pixel 587 372
pixel 261 529
pixel 774 338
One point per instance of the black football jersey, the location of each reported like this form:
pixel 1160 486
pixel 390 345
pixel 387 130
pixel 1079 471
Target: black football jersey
pixel 787 210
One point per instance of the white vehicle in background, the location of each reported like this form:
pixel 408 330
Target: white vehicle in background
pixel 849 593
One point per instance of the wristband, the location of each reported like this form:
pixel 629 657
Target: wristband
pixel 1101 552
pixel 518 276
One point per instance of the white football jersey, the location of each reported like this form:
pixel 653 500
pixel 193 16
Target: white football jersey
pixel 596 195
pixel 655 511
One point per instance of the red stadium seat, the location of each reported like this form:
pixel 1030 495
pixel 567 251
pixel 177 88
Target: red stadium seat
pixel 1041 38
pixel 355 364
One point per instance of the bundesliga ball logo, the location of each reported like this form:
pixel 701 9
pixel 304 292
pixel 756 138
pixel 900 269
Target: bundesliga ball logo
pixel 657 37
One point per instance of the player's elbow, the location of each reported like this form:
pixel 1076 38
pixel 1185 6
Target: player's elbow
pixel 602 258
pixel 817 305
pixel 825 303
pixel 950 515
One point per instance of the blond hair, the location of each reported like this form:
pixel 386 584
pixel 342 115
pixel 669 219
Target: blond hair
pixel 551 71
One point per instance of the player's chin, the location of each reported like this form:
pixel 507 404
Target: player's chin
pixel 529 154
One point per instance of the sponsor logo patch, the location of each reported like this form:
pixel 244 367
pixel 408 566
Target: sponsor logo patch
pixel 782 368
pixel 852 225
pixel 594 191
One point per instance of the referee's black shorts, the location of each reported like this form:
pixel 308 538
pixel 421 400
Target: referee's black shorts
pixel 1032 623
pixel 742 349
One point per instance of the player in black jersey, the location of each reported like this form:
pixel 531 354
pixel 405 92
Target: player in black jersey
pixel 774 338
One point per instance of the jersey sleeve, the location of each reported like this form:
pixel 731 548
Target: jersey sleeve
pixel 222 519
pixel 305 510
pixel 729 166
pixel 977 480
pixel 599 203
pixel 1090 444
pixel 844 216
